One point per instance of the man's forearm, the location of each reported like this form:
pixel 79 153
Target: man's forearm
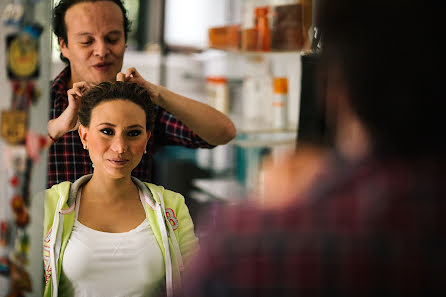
pixel 210 124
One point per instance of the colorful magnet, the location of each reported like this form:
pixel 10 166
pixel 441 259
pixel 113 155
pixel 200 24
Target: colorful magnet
pixel 22 56
pixel 13 126
pixel 22 219
pixel 35 143
pixel 13 14
pixel 17 204
pixel 14 181
pixel 4 234
pixel 4 266
pixel 14 158
pixel 20 281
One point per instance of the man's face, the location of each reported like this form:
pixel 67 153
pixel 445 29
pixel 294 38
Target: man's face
pixel 96 41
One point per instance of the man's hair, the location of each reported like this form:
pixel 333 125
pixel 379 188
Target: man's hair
pixel 118 90
pixel 60 27
pixel 387 53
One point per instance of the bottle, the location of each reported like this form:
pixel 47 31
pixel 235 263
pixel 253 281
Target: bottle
pixel 280 101
pixel 263 29
pixel 218 93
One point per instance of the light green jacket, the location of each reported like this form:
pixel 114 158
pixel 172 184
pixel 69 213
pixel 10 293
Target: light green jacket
pixel 165 210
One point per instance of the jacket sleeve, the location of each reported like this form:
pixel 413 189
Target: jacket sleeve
pixel 182 224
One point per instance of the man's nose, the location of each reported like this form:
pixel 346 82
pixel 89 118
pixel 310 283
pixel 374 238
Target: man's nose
pixel 101 48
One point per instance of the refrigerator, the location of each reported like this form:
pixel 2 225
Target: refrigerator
pixel 25 62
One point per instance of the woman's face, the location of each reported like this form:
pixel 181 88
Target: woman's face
pixel 116 137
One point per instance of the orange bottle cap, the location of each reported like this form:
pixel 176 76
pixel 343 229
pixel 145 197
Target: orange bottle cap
pixel 280 85
pixel 217 79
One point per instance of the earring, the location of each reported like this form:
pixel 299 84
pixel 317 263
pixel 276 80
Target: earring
pixel 85 147
pixel 145 152
pixel 92 165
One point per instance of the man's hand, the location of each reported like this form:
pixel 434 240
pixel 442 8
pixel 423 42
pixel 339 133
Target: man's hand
pixel 131 75
pixel 69 119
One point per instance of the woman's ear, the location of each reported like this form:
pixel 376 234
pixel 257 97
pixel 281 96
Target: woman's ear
pixel 149 133
pixel 83 131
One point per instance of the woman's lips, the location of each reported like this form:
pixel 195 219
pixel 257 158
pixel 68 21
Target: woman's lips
pixel 118 162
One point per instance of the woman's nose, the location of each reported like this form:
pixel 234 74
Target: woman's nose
pixel 119 145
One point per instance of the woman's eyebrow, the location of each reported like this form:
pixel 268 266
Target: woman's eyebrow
pixel 113 125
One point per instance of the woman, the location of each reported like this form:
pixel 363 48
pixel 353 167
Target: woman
pixel 109 234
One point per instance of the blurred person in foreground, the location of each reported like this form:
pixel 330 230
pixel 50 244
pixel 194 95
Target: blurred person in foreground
pixel 371 219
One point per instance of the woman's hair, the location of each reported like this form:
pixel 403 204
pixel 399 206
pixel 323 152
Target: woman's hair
pixel 60 27
pixel 107 91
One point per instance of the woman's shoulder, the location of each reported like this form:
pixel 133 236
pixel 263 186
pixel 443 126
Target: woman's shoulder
pixel 171 198
pixel 53 194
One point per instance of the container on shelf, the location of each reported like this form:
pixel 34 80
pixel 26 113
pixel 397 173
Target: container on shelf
pixel 257 89
pixel 249 39
pixel 249 162
pixel 307 23
pixel 263 29
pixel 225 37
pixel 286 26
pixel 218 93
pixel 280 102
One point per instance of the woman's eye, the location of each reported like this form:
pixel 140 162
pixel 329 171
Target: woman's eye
pixel 134 133
pixel 107 131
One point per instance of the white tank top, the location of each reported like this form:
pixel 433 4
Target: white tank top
pixel 97 263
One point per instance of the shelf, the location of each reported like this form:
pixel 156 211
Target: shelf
pixel 266 139
pixel 272 52
pixel 225 189
pixel 245 126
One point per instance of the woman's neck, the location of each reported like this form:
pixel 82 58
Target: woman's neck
pixel 110 190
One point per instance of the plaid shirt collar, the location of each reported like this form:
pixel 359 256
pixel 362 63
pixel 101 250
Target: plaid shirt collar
pixel 60 84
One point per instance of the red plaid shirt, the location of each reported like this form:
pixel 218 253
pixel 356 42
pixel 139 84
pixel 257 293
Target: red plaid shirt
pixel 375 229
pixel 68 160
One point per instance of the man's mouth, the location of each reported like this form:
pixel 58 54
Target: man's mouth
pixel 102 66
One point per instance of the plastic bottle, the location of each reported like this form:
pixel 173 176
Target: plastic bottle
pixel 263 29
pixel 280 101
pixel 218 93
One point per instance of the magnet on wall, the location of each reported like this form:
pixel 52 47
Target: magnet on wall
pixel 22 56
pixel 4 266
pixel 13 14
pixel 24 94
pixel 13 126
pixel 35 143
pixel 34 30
pixel 4 233
pixel 20 281
pixel 14 158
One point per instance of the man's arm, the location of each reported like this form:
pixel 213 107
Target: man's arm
pixel 207 122
pixel 68 120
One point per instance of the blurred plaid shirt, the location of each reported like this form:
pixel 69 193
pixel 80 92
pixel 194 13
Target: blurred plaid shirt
pixel 377 228
pixel 68 160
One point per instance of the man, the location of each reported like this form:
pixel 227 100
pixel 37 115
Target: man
pixel 372 221
pixel 92 37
